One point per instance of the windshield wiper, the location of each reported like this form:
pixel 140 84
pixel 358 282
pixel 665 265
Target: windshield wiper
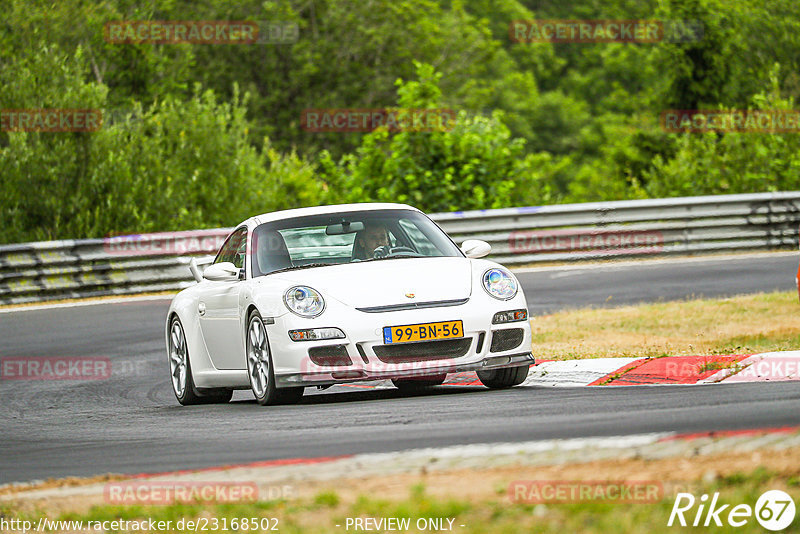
pixel 304 266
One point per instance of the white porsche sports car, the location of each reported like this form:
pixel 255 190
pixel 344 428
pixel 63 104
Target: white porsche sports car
pixel 335 294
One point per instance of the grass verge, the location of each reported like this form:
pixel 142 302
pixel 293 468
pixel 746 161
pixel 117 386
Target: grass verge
pixel 494 512
pixel 738 325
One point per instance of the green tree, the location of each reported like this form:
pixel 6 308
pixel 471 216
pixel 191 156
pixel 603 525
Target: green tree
pixel 476 164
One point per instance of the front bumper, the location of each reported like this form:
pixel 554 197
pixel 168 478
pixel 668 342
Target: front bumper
pixel 343 376
pixel 485 345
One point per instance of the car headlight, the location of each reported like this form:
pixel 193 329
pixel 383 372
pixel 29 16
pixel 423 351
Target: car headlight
pixel 304 301
pixel 500 284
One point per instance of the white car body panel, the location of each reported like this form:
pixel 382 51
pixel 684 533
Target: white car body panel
pixel 387 282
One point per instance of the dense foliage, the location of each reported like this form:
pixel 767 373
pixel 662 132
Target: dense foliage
pixel 202 135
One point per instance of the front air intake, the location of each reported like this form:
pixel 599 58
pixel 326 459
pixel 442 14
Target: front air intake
pixel 508 339
pixel 330 355
pixel 423 351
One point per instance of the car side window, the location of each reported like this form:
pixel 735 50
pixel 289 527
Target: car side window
pixel 234 249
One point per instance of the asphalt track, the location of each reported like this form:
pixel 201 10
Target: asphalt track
pixel 611 285
pixel 131 423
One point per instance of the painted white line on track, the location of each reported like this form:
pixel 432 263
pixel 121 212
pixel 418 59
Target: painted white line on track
pixel 540 452
pixel 648 446
pixel 87 302
pixel 567 270
pixel 647 262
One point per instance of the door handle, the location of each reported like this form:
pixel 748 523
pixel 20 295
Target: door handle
pixel 201 308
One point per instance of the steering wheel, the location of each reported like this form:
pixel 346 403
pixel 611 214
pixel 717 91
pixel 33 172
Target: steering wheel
pixel 386 251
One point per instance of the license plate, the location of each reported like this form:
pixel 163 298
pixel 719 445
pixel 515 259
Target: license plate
pixel 423 332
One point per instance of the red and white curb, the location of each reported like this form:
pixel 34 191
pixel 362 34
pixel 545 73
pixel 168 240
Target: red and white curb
pixel 677 370
pixel 574 373
pixel 766 367
pixel 713 369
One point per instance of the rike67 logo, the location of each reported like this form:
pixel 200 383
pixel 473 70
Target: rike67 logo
pixel 774 510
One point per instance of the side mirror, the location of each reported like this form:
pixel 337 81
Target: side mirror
pixel 196 263
pixel 475 248
pixel 221 272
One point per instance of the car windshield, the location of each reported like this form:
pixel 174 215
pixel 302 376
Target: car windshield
pixel 347 237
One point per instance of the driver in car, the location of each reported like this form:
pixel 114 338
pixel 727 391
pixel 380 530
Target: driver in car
pixel 373 236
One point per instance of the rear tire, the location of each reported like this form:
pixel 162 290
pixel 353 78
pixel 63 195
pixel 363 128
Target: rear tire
pixel 422 383
pixel 181 372
pixel 259 367
pixel 504 378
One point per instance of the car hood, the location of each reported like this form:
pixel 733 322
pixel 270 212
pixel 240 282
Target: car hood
pixel 389 282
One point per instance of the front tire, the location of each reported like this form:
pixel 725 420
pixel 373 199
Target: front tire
pixel 504 378
pixel 259 367
pixel 180 367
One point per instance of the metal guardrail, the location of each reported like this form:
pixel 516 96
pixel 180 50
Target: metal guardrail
pixel 32 272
